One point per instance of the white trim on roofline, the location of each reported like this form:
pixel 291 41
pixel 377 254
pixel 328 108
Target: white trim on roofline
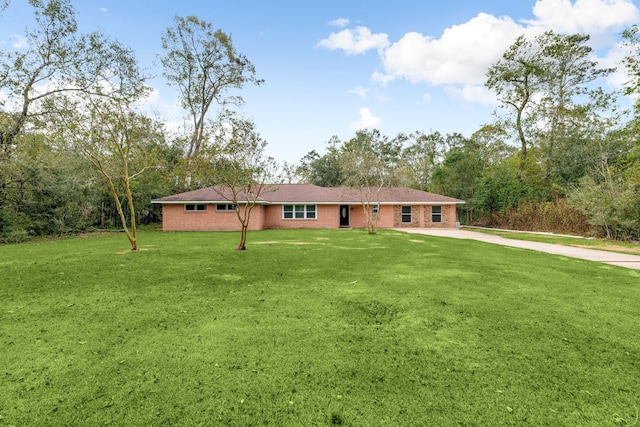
pixel 202 202
pixel 262 202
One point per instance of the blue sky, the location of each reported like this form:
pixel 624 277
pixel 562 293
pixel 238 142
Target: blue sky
pixel 334 66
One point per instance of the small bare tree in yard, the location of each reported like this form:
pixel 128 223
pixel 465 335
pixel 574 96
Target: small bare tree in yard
pixel 369 163
pixel 120 144
pixel 367 179
pixel 240 168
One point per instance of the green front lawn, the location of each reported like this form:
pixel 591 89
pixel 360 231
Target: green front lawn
pixel 313 327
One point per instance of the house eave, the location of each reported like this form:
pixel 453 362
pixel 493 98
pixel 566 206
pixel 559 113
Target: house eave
pixel 336 202
pixel 203 202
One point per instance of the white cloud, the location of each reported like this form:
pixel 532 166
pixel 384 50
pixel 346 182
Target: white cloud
pixel 19 42
pixel 472 93
pixel 360 91
pixel 355 41
pixel 4 97
pixel 382 78
pixel 459 58
pixel 103 9
pixel 340 22
pixel 426 97
pixel 583 16
pixel 156 104
pixel 367 120
pixel 461 55
pixel 614 59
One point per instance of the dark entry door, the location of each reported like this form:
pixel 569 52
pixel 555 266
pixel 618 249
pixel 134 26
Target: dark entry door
pixel 344 215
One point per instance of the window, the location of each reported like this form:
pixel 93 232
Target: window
pixel 311 211
pixel 195 208
pixel 375 210
pixel 299 211
pixel 436 213
pixel 406 214
pixel 224 207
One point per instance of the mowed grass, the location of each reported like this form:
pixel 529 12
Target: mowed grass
pixel 313 327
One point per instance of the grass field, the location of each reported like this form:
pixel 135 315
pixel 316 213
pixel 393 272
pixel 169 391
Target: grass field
pixel 313 327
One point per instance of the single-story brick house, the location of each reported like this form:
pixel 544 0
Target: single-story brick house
pixel 307 206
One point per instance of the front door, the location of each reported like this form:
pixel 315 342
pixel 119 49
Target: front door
pixel 344 215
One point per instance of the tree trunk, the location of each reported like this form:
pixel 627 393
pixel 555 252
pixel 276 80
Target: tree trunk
pixel 523 142
pixel 243 238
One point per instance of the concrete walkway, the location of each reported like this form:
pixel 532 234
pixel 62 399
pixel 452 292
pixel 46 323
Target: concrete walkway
pixel 613 258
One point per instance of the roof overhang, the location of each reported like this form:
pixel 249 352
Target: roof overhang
pixel 262 202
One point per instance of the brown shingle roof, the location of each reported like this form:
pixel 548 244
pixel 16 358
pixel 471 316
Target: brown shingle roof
pixel 313 194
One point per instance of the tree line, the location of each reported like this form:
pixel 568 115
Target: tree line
pixel 77 154
pixel 561 155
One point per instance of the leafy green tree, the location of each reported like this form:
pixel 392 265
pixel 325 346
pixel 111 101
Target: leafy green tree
pixel 572 112
pixel 44 191
pixel 419 157
pixel 610 206
pixel 631 63
pixel 515 79
pixel 455 176
pixel 204 65
pixel 499 189
pixel 325 170
pixel 58 60
pixel 632 67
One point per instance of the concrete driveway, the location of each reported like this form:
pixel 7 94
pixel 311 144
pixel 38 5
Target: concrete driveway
pixel 622 260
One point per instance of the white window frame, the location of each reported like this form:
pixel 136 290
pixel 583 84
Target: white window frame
pixel 375 210
pixel 195 207
pixel 299 212
pixel 403 214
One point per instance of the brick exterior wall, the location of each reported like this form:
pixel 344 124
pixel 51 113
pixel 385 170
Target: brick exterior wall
pixel 421 217
pixel 448 217
pixel 416 216
pixel 175 218
pixel 359 220
pixel 326 217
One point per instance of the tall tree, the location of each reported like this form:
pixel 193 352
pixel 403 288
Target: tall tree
pixel 419 158
pixel 631 62
pixel 608 195
pixel 455 176
pixel 515 79
pixel 325 170
pixel 570 109
pixel 204 65
pixel 58 60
